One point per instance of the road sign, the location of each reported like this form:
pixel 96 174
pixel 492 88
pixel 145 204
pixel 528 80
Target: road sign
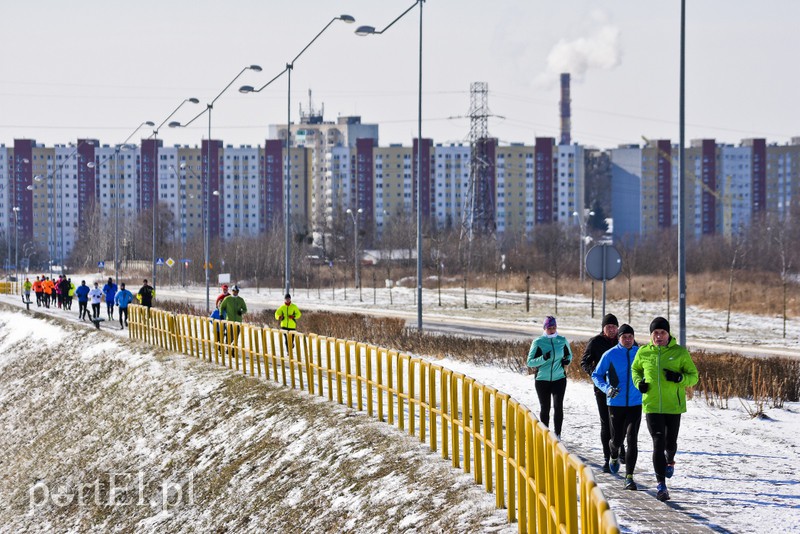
pixel 603 262
pixel 160 261
pixel 101 265
pixel 170 262
pixel 186 260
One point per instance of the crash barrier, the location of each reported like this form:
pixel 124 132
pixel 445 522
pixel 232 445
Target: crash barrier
pixel 10 288
pixel 479 429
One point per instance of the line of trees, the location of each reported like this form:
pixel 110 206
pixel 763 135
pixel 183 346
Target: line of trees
pixel 552 249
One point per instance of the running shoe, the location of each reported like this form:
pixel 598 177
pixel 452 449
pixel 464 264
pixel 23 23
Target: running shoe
pixel 669 470
pixel 613 465
pixel 629 483
pixel 662 494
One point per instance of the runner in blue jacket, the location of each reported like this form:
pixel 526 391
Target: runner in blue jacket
pixel 82 292
pixel 110 291
pixel 613 377
pixel 123 298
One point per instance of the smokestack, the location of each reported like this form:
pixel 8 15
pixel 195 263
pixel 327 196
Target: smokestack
pixel 566 115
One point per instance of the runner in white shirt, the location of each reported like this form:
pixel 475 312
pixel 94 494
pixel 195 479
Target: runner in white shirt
pixel 96 294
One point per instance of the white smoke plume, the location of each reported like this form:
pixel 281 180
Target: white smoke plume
pixel 600 50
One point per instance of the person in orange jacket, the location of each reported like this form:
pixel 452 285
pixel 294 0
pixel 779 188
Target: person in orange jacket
pixel 39 290
pixel 47 287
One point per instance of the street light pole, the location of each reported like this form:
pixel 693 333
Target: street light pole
pixel 155 176
pixel 175 124
pixel 354 216
pixel 288 179
pixel 370 30
pixel 582 220
pixel 16 242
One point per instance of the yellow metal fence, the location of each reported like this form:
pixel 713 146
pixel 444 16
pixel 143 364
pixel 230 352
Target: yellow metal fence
pixel 483 431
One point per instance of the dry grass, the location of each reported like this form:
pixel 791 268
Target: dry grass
pixel 758 293
pixel 767 382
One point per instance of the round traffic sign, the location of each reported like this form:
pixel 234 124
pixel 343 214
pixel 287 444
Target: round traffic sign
pixel 603 262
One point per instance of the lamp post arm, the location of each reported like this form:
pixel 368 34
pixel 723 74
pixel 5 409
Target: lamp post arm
pixel 208 108
pixel 211 105
pixel 155 132
pixel 334 19
pixel 400 16
pixel 145 123
pixel 249 89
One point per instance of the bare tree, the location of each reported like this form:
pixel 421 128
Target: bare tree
pixel 553 244
pixel 737 252
pixel 627 251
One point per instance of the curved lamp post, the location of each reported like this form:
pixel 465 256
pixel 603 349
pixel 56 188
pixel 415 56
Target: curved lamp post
pixel 287 186
pixel 155 176
pixel 122 146
pixel 15 209
pixel 354 216
pixel 582 220
pixel 176 124
pixel 370 30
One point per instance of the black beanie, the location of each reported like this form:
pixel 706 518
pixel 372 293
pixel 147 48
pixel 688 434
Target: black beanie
pixel 610 318
pixel 659 323
pixel 625 329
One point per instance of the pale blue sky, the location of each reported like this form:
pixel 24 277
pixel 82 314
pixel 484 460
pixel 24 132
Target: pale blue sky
pixel 98 68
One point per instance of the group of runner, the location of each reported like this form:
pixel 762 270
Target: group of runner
pixel 629 380
pixel 62 291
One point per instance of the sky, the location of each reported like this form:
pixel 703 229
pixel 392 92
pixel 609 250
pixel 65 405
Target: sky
pixel 98 69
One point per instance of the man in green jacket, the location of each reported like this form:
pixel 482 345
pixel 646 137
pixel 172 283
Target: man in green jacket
pixel 233 306
pixel 662 370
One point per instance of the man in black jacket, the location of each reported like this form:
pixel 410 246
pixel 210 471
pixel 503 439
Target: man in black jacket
pixel 597 346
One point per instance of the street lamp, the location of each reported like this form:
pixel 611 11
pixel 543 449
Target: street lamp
pixel 155 176
pixel 370 30
pixel 122 146
pixel 250 89
pixel 56 246
pixel 582 220
pixel 15 209
pixel 354 216
pixel 204 220
pixel 16 199
pixel 176 124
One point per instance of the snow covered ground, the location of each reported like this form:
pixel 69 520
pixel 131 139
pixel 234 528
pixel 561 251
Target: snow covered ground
pixel 733 473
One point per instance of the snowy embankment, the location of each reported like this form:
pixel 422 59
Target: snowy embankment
pixel 101 434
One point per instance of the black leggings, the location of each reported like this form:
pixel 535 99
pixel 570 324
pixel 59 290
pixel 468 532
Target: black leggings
pixel 95 310
pixel 545 389
pixel 602 410
pixel 625 421
pixel 82 311
pixel 123 312
pixel 664 428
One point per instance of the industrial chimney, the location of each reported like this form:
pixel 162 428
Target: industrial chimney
pixel 565 110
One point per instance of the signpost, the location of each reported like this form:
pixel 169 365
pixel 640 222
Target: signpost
pixel 603 262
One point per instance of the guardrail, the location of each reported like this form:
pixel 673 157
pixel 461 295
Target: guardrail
pixel 10 288
pixel 479 429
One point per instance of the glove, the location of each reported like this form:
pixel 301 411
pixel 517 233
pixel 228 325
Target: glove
pixel 672 376
pixel 613 392
pixel 546 355
pixel 643 386
pixel 564 361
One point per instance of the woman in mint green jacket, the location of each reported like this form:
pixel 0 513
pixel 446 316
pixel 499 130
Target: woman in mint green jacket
pixel 549 355
pixel 662 370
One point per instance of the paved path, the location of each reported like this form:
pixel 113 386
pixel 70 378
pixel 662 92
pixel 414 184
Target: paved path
pixel 639 511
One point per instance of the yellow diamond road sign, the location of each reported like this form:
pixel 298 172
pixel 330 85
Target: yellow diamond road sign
pixel 170 262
